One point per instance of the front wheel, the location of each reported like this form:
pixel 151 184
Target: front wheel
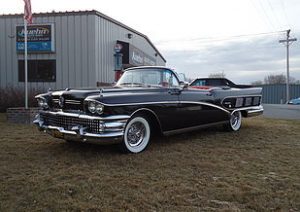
pixel 235 121
pixel 137 135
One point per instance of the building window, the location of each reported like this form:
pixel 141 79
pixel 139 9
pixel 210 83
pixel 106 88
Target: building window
pixel 38 70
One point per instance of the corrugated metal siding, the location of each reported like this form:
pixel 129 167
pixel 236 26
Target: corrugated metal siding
pixel 84 49
pixel 276 94
pixel 74 46
pixel 107 33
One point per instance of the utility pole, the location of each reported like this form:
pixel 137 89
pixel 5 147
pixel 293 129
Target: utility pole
pixel 288 41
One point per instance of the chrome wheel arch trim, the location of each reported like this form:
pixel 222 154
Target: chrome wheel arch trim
pixel 148 110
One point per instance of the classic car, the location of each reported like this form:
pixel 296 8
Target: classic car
pixel 145 101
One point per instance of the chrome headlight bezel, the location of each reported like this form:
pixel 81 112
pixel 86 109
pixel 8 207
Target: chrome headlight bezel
pixel 99 108
pixel 92 106
pixel 42 103
pixel 95 107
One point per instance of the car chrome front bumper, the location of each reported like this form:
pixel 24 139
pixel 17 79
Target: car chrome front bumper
pixel 109 129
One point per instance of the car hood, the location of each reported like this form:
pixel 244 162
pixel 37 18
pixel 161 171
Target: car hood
pixel 107 95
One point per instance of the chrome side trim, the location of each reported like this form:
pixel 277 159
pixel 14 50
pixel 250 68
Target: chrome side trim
pixel 166 102
pixel 138 103
pixel 207 104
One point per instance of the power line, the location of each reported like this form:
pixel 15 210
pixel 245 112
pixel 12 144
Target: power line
pixel 210 39
pixel 217 39
pixel 267 16
pixel 284 12
pixel 274 13
pixel 264 19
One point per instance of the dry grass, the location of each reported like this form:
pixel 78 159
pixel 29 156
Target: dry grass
pixel 256 169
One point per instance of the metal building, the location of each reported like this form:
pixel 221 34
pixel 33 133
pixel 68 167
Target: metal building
pixel 276 93
pixel 70 49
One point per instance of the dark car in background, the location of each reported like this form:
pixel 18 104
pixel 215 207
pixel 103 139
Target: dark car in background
pixel 146 100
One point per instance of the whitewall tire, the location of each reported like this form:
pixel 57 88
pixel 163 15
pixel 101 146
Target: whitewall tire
pixel 235 122
pixel 136 135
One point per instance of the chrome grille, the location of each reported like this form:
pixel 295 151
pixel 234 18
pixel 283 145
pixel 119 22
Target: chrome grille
pixel 68 101
pixel 68 104
pixel 68 122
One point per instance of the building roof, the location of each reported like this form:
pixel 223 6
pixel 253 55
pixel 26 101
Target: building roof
pixel 89 12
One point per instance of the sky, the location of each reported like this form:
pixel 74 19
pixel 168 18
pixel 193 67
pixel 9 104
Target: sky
pixel 202 37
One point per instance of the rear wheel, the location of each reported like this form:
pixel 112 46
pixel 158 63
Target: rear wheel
pixel 235 121
pixel 137 135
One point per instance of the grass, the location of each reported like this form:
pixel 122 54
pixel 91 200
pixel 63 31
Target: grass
pixel 255 169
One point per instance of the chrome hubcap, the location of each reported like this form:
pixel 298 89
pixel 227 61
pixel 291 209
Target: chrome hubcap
pixel 136 134
pixel 234 120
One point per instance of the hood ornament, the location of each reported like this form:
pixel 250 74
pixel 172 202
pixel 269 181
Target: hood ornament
pixel 101 92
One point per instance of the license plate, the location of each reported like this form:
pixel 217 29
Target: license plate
pixel 57 134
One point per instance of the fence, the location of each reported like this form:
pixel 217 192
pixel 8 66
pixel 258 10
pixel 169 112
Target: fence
pixel 276 94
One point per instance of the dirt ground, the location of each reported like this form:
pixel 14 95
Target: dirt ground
pixel 255 169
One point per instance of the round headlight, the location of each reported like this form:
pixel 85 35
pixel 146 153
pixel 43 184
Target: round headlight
pixel 92 107
pixel 42 103
pixel 99 108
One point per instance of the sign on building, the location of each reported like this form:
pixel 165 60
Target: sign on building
pixel 133 56
pixel 139 58
pixel 40 38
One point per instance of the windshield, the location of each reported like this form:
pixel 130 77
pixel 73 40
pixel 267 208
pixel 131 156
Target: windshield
pixel 148 77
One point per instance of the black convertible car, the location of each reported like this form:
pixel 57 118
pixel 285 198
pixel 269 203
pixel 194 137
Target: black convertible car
pixel 144 101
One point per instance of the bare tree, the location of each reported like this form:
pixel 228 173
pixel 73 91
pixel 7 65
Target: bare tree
pixel 293 80
pixel 258 82
pixel 275 79
pixel 217 75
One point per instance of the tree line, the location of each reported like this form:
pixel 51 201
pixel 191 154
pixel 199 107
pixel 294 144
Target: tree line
pixel 275 79
pixel 268 80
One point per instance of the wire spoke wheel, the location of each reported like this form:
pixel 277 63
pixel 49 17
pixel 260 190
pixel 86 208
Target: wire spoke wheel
pixel 236 120
pixel 136 135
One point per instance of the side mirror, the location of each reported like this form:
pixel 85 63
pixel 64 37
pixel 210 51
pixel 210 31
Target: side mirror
pixel 183 84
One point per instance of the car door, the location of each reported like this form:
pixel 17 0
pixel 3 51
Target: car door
pixel 196 107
